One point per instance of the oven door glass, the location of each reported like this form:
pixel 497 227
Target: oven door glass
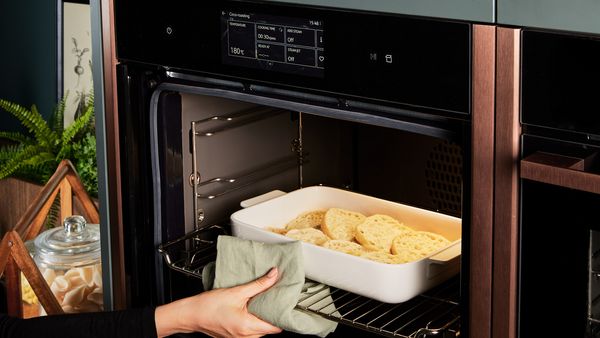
pixel 559 242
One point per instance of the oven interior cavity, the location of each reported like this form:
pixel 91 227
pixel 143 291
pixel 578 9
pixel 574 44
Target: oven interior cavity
pixel 214 152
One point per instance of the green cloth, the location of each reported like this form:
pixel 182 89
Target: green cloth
pixel 240 261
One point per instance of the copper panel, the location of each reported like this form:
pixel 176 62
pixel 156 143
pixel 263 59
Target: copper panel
pixel 480 276
pixel 555 160
pixel 558 170
pixel 112 153
pixel 506 202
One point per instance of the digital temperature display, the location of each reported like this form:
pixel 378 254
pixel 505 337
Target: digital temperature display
pixel 276 43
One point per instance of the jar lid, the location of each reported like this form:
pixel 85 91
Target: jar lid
pixel 75 244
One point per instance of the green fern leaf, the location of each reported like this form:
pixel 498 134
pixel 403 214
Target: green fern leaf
pixel 41 159
pixel 65 152
pixel 39 173
pixel 78 125
pixel 17 161
pixel 57 120
pixel 36 156
pixel 31 119
pixel 91 127
pixel 15 136
pixel 10 151
pixel 45 135
pixel 37 168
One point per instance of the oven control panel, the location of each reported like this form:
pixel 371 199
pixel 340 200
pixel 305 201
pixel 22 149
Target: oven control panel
pixel 273 43
pixel 410 62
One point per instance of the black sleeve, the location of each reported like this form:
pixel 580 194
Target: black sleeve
pixel 127 324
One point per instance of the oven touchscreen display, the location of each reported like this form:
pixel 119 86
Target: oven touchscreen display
pixel 275 43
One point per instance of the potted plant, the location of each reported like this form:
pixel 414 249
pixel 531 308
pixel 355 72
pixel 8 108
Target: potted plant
pixel 34 156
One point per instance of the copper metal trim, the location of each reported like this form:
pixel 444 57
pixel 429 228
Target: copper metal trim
pixel 506 213
pixel 482 184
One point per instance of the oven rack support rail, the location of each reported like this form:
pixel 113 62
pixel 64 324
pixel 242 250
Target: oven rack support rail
pixel 227 185
pixel 593 328
pixel 435 313
pixel 593 321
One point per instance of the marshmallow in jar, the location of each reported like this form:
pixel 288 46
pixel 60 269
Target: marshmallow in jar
pixel 69 260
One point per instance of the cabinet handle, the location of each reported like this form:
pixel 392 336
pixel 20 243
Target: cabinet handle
pixel 560 170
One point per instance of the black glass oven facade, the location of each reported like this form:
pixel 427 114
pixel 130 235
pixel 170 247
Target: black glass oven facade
pixel 394 90
pixel 559 189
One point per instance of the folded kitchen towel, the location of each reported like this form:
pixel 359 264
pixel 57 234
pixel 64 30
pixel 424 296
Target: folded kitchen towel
pixel 240 261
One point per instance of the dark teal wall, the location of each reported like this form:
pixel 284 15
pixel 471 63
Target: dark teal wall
pixel 28 60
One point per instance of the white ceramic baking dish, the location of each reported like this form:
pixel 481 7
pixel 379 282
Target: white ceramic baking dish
pixel 390 283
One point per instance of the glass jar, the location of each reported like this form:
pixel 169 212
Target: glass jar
pixel 69 260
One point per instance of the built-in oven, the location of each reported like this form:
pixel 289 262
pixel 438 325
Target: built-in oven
pixel 560 193
pixel 221 101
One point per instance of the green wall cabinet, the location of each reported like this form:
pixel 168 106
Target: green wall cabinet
pixel 469 10
pixel 28 57
pixel 567 15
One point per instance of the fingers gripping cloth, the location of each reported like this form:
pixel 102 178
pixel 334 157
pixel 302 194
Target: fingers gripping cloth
pixel 241 261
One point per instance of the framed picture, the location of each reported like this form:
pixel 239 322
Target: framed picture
pixel 74 56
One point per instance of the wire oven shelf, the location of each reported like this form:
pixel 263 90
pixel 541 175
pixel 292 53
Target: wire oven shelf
pixel 593 328
pixel 435 313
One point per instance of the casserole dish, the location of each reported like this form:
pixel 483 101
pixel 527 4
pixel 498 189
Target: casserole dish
pixel 390 283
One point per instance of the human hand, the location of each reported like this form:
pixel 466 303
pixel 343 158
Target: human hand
pixel 218 313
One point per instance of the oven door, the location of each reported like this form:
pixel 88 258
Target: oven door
pixel 241 145
pixel 560 186
pixel 559 239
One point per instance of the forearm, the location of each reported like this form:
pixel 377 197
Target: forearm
pixel 218 313
pixel 129 323
pixel 169 319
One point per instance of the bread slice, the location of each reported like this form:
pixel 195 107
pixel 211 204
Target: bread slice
pixel 309 235
pixel 406 256
pixel 382 257
pixel 281 231
pixel 341 224
pixel 341 245
pixel 420 242
pixel 377 232
pixel 309 219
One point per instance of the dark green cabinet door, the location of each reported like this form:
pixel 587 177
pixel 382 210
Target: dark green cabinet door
pixel 468 10
pixel 568 15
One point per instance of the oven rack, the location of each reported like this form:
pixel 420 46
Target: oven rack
pixel 594 299
pixel 248 178
pixel 217 124
pixel 436 313
pixel 593 328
